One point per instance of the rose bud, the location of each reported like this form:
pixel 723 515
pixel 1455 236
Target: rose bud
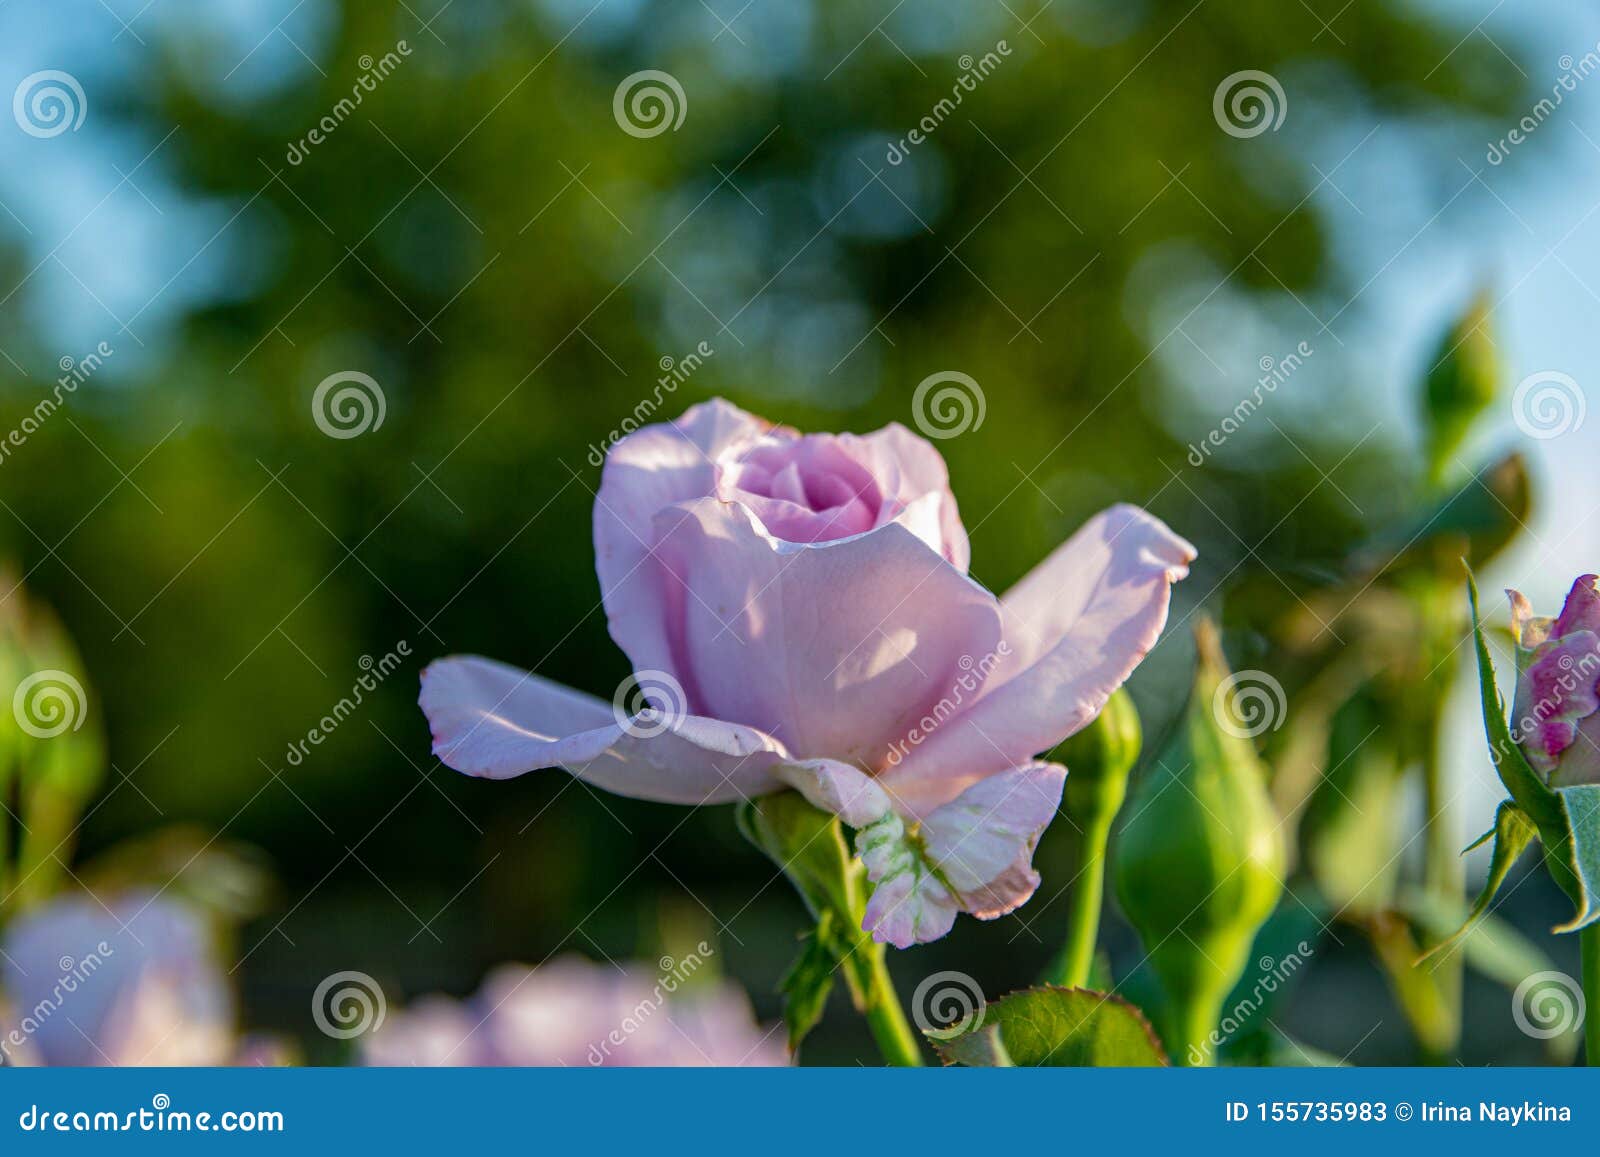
pixel 1555 717
pixel 1199 864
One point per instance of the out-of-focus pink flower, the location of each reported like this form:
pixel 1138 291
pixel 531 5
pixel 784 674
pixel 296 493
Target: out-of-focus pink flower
pixel 572 1012
pixel 1556 712
pixel 130 982
pixel 798 613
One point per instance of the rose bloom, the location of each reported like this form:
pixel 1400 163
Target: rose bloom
pixel 130 982
pixel 572 1012
pixel 1556 710
pixel 798 612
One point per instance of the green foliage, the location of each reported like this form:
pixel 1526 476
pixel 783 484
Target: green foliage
pixel 1513 831
pixel 52 753
pixel 1055 1027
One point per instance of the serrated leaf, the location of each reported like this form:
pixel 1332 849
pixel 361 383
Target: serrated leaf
pixel 1057 1027
pixel 1580 806
pixel 808 983
pixel 981 1048
pixel 1512 833
pixel 1527 788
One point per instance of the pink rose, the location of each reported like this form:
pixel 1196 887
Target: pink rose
pixel 1556 714
pixel 798 613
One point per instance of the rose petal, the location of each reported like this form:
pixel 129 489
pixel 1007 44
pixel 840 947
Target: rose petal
pixel 1555 692
pixel 1075 628
pixel 974 854
pixel 845 791
pixel 1581 611
pixel 836 648
pixel 494 721
pixel 983 840
pixel 650 469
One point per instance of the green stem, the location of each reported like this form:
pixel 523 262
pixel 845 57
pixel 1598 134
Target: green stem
pixel 1072 963
pixel 1443 877
pixel 1589 941
pixel 881 1006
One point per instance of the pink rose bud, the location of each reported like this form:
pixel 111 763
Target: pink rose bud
pixel 1556 715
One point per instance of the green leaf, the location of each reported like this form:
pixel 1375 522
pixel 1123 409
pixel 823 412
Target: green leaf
pixel 1056 1027
pixel 809 981
pixel 1527 788
pixel 1580 807
pixel 1512 833
pixel 982 1048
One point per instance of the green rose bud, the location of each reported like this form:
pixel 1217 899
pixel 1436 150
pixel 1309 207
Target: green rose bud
pixel 1462 382
pixel 1200 863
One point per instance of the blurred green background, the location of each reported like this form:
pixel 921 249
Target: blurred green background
pixel 482 239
